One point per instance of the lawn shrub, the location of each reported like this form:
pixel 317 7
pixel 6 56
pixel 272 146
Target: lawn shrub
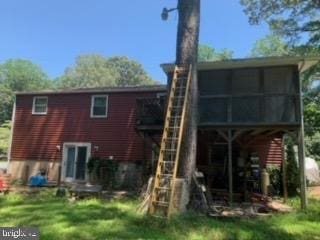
pixel 104 171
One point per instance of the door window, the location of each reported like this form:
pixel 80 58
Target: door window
pixel 81 163
pixel 71 157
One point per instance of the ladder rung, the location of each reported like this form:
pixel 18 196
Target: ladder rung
pixel 182 74
pixel 173 98
pixel 168 153
pixel 167 162
pixel 161 203
pixel 171 139
pixel 165 175
pixel 179 87
pixel 173 127
pixel 169 118
pixel 174 121
pixel 164 188
pixel 170 150
pixel 181 77
pixel 182 69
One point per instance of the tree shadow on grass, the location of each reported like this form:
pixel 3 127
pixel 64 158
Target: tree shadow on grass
pixel 95 219
pixel 200 227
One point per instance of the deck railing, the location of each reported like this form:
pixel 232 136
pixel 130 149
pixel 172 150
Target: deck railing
pixel 150 111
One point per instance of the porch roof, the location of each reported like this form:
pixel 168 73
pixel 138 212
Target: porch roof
pixel 303 63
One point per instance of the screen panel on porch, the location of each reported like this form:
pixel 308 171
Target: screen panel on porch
pixel 213 109
pixel 249 96
pixel 214 82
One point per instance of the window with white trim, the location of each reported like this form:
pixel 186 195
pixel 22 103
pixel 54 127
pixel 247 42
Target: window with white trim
pixel 40 105
pixel 99 106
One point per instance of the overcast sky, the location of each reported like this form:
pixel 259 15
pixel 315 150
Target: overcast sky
pixel 51 33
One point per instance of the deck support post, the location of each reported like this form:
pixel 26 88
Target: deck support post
pixel 59 176
pixel 230 166
pixel 284 171
pixel 302 171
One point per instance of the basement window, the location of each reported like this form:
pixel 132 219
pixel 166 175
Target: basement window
pixel 99 106
pixel 40 105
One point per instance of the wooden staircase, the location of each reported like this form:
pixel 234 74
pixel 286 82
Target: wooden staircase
pixel 164 184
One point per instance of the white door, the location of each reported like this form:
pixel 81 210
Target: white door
pixel 76 156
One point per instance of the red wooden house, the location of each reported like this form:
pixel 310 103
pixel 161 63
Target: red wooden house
pixel 67 127
pixel 258 100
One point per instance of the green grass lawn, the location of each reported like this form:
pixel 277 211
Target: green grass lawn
pixel 95 219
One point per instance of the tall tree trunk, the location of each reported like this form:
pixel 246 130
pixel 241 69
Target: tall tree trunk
pixel 186 54
pixel 188 31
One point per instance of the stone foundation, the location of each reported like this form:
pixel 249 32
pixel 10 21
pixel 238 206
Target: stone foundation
pixel 23 170
pixel 129 175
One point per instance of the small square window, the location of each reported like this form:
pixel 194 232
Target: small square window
pixel 99 106
pixel 40 105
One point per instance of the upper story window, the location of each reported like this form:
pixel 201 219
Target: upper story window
pixel 40 105
pixel 99 106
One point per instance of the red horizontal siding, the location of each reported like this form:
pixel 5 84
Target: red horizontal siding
pixel 35 137
pixel 269 150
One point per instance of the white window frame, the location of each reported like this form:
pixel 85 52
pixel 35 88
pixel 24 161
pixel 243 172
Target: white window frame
pixel 34 105
pixel 92 105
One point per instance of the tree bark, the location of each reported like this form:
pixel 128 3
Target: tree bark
pixel 188 31
pixel 186 54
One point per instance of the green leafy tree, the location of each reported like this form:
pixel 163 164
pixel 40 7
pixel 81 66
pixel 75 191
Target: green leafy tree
pixel 291 19
pixel 292 168
pixel 6 103
pixel 130 73
pixel 312 122
pixel 5 130
pixel 270 46
pixel 311 100
pixel 313 145
pixel 311 110
pixel 19 75
pixel 207 54
pixel 97 71
pixel 23 75
pixel 88 71
pixel 295 21
pixel 273 45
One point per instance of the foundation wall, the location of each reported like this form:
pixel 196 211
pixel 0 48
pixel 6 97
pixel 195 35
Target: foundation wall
pixel 23 170
pixel 128 176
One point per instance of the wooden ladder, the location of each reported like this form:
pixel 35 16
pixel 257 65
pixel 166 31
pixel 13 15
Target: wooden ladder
pixel 164 184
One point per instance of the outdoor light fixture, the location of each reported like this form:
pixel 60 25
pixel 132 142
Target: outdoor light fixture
pixel 58 148
pixel 96 148
pixel 165 13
